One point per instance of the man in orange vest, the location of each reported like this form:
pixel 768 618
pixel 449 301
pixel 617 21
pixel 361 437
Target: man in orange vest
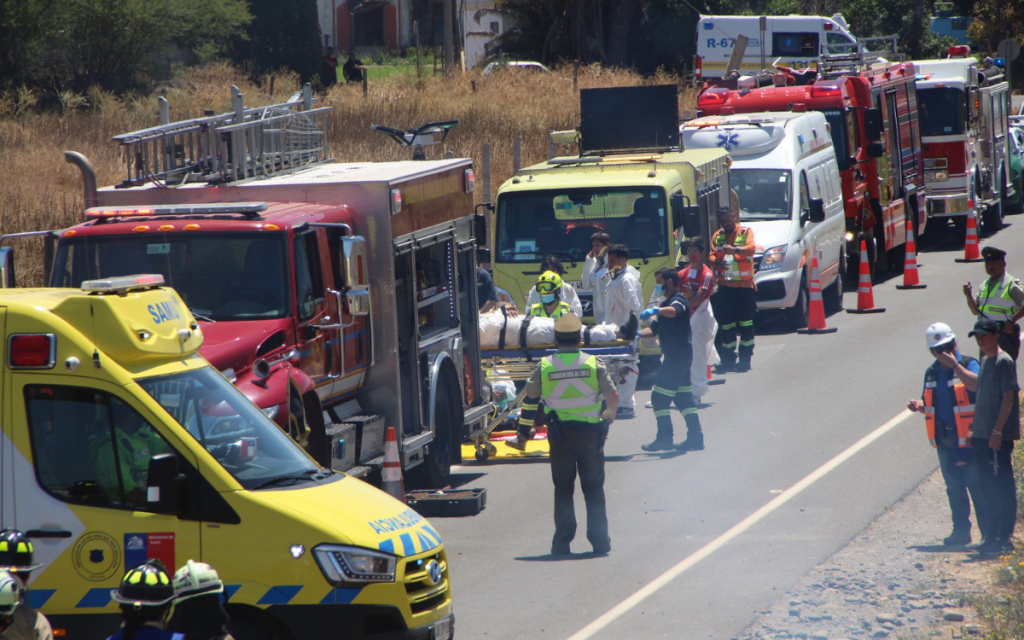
pixel 732 258
pixel 948 408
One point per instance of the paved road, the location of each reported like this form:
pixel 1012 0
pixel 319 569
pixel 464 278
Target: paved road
pixel 807 400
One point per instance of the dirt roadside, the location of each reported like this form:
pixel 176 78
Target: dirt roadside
pixel 894 580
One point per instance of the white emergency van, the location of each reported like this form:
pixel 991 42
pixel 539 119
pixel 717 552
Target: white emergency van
pixel 797 42
pixel 785 173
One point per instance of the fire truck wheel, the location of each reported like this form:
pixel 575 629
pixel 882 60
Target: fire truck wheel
pixel 834 292
pixel 437 467
pixel 796 316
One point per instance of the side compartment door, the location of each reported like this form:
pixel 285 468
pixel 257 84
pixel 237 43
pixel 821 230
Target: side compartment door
pixel 82 454
pixel 310 311
pixel 351 344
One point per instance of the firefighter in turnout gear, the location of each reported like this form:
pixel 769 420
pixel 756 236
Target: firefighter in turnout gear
pixel 1001 298
pixel 549 286
pixel 735 303
pixel 948 408
pixel 671 323
pixel 17 556
pixel 146 596
pixel 199 603
pixel 572 385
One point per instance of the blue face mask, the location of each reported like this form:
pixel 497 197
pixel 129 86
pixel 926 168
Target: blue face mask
pixel 547 298
pixel 659 289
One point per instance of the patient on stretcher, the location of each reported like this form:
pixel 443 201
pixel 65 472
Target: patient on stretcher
pixel 499 330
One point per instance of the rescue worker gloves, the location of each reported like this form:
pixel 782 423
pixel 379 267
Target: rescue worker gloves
pixel 16 552
pixel 146 585
pixel 196 579
pixel 549 282
pixel 647 314
pixel 10 593
pixel 938 334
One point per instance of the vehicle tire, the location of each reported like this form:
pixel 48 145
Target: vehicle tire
pixel 796 316
pixel 436 468
pixel 834 293
pixel 252 624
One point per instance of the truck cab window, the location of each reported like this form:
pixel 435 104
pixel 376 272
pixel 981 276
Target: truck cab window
pixel 795 45
pixel 90 446
pixel 805 198
pixel 309 282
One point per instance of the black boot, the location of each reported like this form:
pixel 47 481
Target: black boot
pixel 628 330
pixel 694 442
pixel 662 442
pixel 959 537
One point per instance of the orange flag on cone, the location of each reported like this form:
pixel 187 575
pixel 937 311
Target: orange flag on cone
pixel 816 309
pixel 391 475
pixel 910 279
pixel 971 251
pixel 865 296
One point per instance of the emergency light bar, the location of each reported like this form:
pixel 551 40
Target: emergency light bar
pixel 123 283
pixel 702 123
pixel 247 209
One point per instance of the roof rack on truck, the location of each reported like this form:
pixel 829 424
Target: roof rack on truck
pixel 239 145
pixel 843 60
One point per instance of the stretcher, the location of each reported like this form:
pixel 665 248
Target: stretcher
pixel 517 364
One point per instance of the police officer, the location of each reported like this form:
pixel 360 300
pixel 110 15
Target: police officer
pixel 199 603
pixel 671 323
pixel 1001 298
pixel 735 302
pixel 572 385
pixel 549 286
pixel 146 596
pixel 17 556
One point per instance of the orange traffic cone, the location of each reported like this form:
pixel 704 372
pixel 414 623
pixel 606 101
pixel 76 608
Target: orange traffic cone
pixel 391 475
pixel 865 297
pixel 971 251
pixel 711 380
pixel 910 279
pixel 816 309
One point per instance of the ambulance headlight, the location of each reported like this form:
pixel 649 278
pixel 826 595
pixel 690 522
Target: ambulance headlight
pixel 346 566
pixel 773 258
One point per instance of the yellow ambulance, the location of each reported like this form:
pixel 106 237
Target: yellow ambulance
pixel 119 443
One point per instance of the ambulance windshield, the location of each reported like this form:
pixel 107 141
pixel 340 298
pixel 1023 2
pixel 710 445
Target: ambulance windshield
pixel 561 222
pixel 765 194
pixel 942 111
pixel 253 449
pixel 220 276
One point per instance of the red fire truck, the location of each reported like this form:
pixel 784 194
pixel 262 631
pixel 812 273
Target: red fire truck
pixel 872 116
pixel 340 298
pixel 963 113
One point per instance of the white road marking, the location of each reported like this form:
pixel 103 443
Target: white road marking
pixel 655 585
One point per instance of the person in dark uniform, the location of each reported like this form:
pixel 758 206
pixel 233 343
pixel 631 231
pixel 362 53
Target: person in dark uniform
pixel 572 385
pixel 671 323
pixel 353 68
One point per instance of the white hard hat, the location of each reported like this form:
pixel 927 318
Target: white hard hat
pixel 196 579
pixel 938 334
pixel 10 593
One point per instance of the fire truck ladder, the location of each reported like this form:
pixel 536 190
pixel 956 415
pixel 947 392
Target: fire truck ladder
pixel 847 59
pixel 240 145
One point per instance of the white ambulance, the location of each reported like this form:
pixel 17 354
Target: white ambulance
pixel 797 42
pixel 785 173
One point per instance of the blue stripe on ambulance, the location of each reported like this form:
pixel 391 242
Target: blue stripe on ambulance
pixel 407 546
pixel 95 599
pixel 37 598
pixel 230 589
pixel 340 595
pixel 387 545
pixel 280 594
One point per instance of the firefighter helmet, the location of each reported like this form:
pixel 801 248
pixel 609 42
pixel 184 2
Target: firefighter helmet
pixel 16 552
pixel 196 579
pixel 10 593
pixel 549 282
pixel 146 585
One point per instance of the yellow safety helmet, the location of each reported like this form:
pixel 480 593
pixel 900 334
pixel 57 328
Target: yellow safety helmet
pixel 549 282
pixel 147 585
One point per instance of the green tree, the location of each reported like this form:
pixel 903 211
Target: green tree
pixel 281 35
pixel 23 24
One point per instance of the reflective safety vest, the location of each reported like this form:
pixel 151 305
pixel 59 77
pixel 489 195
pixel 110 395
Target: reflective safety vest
pixel 568 384
pixel 738 268
pixel 539 310
pixel 994 299
pixel 963 411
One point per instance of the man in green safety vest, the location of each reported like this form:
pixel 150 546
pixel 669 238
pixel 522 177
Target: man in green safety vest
pixel 1001 299
pixel 572 385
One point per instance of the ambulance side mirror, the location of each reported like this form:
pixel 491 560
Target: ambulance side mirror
pixel 480 229
pixel 6 268
pixel 873 124
pixel 685 215
pixel 875 150
pixel 165 486
pixel 817 210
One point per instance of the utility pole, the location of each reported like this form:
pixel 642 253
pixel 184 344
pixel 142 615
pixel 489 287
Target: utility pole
pixel 449 52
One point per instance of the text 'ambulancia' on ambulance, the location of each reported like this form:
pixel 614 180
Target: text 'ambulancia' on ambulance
pixel 121 443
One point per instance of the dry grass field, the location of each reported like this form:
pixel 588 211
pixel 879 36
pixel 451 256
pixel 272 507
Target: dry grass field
pixel 39 191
